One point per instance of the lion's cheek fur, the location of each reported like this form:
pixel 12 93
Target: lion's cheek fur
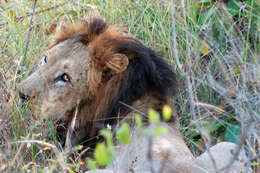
pixel 57 105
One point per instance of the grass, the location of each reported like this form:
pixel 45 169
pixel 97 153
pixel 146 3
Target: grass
pixel 216 53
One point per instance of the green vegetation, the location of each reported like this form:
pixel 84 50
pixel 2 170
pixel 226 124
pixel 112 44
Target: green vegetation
pixel 214 47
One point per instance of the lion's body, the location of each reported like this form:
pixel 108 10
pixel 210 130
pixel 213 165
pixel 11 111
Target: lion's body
pixel 100 73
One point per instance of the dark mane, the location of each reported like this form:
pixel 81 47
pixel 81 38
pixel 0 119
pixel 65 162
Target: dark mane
pixel 146 72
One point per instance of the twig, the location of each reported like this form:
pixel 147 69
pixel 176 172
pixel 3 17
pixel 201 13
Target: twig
pixel 53 147
pixel 217 87
pixel 81 153
pixel 247 164
pixel 110 118
pixel 255 157
pixel 18 152
pixel 29 34
pixel 30 14
pixel 175 50
pixel 217 109
pixel 131 107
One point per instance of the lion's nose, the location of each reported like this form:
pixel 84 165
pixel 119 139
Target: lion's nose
pixel 24 97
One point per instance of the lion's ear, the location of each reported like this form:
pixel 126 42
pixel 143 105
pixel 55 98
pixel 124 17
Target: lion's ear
pixel 118 63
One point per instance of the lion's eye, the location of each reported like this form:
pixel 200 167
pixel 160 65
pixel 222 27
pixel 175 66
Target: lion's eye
pixel 63 78
pixel 45 59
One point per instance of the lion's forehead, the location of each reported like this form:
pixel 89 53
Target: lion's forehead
pixel 61 48
pixel 68 49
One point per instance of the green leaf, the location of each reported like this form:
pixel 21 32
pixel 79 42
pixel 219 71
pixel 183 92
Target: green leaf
pixel 192 133
pixel 253 8
pixel 102 155
pixel 232 133
pixel 205 1
pixel 159 130
pixel 138 121
pixel 204 17
pixel 154 116
pixel 236 70
pixel 70 171
pixel 123 134
pixel 92 164
pixel 72 12
pixel 78 147
pixel 233 7
pixel 167 112
pixel 107 135
pixel 193 12
pixel 150 13
pixel 255 164
pixel 216 126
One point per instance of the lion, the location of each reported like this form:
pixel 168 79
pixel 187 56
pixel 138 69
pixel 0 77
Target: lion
pixel 97 72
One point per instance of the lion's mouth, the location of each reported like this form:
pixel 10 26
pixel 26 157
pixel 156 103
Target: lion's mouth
pixel 23 98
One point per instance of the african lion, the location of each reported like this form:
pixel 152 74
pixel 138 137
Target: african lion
pixel 94 68
pixel 100 73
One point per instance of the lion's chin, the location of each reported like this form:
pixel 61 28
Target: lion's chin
pixel 49 112
pixel 64 116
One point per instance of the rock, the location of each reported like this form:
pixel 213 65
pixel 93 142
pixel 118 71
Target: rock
pixel 222 152
pixel 168 153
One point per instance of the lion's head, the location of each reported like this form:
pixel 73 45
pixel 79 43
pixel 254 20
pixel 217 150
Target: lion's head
pixel 93 67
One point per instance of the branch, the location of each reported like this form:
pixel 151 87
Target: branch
pixel 20 18
pixel 53 147
pixel 131 107
pixel 29 34
pixel 175 50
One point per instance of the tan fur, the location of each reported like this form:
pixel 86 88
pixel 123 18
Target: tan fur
pixel 84 54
